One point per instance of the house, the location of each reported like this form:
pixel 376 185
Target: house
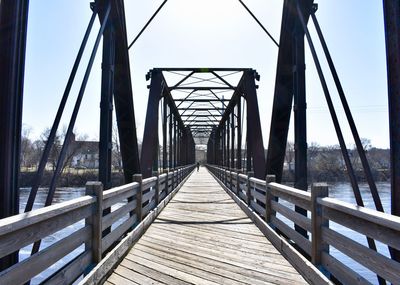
pixel 85 154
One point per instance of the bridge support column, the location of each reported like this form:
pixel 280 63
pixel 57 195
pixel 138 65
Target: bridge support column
pixel 150 136
pixel 13 23
pixel 106 107
pixel 239 135
pixel 164 128
pixel 300 117
pixel 392 30
pixel 255 144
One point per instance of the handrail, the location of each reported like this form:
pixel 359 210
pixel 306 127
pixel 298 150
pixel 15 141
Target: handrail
pixel 21 230
pixel 271 202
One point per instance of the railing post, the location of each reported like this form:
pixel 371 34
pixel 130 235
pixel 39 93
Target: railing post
pixel 96 189
pixel 166 185
pixel 248 188
pixel 138 178
pixel 318 190
pixel 224 178
pixel 230 179
pixel 173 179
pixel 268 198
pixel 157 194
pixel 237 183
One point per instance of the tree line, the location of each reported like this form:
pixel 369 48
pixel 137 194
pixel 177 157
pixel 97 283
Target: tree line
pixel 326 163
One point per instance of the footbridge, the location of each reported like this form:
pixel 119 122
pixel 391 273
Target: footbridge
pixel 230 220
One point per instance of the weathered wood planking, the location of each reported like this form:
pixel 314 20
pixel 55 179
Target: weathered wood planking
pixel 203 237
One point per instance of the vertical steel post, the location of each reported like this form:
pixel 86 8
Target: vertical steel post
pixel 150 144
pixel 233 139
pixel 175 146
pixel 239 135
pixel 106 107
pixel 391 11
pixel 13 27
pixel 170 141
pixel 228 152
pixel 164 128
pixel 255 144
pixel 392 32
pixel 300 116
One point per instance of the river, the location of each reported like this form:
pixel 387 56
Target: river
pixel 340 191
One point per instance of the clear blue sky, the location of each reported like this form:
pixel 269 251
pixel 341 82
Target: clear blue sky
pixel 210 33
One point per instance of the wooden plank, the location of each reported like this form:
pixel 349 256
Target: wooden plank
pixel 376 262
pixel 292 195
pixel 295 217
pixel 149 182
pixel 376 217
pixel 255 259
pixel 188 277
pixel 134 276
pixel 116 254
pixel 230 241
pixel 257 195
pixel 308 271
pixel 24 220
pixel 148 196
pixel 248 275
pixel 318 190
pixel 258 183
pixel 119 194
pixel 206 238
pixel 30 267
pixel 341 272
pixel 115 234
pixel 114 216
pixel 301 241
pixel 41 227
pixel 69 273
pixel 146 209
pixel 147 271
pixel 260 210
pixel 374 230
pixel 118 279
pixel 196 270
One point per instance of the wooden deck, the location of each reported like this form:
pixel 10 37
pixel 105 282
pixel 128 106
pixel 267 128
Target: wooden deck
pixel 203 237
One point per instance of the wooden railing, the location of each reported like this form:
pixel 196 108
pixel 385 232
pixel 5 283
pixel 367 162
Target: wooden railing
pixel 274 203
pixel 128 205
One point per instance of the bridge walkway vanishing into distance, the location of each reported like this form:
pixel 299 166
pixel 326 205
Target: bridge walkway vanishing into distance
pixel 218 109
pixel 203 237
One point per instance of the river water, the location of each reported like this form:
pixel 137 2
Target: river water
pixel 340 191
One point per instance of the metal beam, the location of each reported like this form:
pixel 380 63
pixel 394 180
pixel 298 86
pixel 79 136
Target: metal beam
pixel 391 11
pixel 150 136
pixel 13 28
pixel 201 88
pixel 255 140
pixel 392 32
pixel 283 95
pixel 106 107
pixel 123 95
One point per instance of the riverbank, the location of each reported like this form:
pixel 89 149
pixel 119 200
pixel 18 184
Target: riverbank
pixel 76 178
pixel 382 175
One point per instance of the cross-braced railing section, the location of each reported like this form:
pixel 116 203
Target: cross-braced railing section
pixel 132 209
pixel 273 204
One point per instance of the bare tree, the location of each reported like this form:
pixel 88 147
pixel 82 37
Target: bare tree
pixel 289 155
pixel 116 149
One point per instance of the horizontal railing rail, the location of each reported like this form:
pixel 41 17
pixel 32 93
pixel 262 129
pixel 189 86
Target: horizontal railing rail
pixel 95 233
pixel 275 204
